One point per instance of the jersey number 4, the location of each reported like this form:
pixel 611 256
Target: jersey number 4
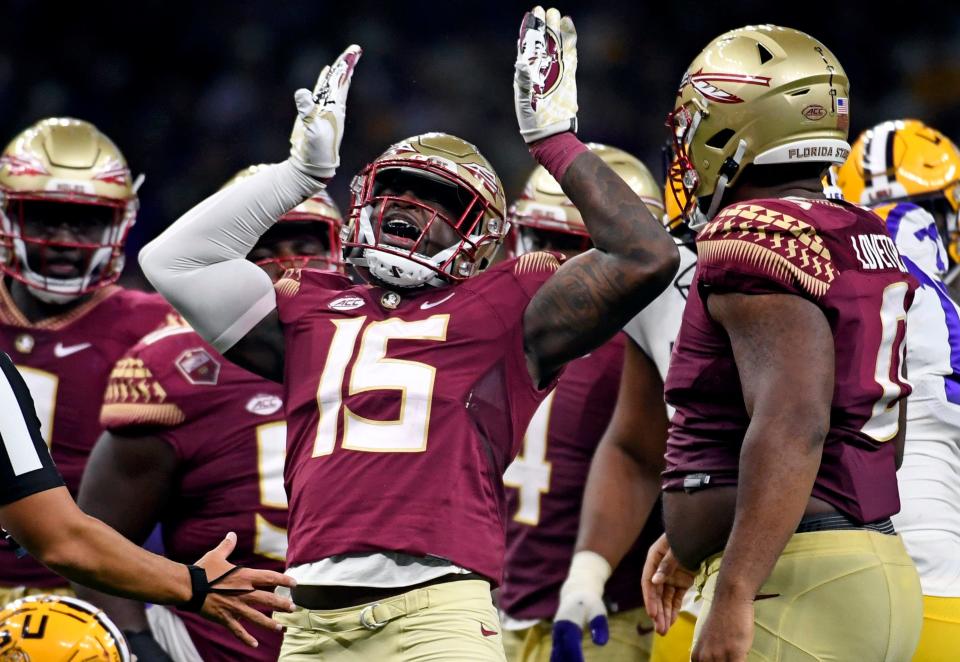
pixel 372 371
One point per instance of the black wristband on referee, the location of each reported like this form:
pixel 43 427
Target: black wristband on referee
pixel 200 589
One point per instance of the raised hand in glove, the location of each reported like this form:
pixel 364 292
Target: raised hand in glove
pixel 544 79
pixel 318 130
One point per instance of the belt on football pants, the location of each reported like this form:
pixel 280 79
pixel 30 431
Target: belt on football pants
pixel 840 522
pixel 326 598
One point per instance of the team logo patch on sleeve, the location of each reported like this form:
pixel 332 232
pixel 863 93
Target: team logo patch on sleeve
pixel 198 367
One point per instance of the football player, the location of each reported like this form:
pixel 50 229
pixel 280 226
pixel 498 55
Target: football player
pixel 67 202
pixel 406 398
pixel 619 511
pixel 197 444
pixel 786 375
pixel 546 482
pixel 904 170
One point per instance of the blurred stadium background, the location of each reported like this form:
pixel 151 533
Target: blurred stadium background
pixel 192 92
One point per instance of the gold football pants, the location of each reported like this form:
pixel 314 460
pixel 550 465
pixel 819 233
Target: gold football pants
pixel 940 638
pixel 449 621
pixel 833 595
pixel 677 644
pixel 626 644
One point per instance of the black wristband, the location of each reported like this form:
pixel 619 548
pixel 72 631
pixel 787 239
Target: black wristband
pixel 200 588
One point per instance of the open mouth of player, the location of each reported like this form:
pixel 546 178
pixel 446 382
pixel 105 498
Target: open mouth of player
pixel 400 231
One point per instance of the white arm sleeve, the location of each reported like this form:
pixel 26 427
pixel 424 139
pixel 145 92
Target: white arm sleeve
pixel 199 263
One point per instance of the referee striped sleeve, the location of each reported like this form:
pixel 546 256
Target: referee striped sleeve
pixel 17 414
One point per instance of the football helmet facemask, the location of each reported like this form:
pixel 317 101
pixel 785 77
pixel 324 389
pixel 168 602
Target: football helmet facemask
pixel 544 214
pixel 756 95
pixel 320 215
pixel 428 211
pixel 906 160
pixel 57 629
pixel 63 171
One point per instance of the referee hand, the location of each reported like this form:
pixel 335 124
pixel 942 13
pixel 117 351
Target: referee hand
pixel 248 588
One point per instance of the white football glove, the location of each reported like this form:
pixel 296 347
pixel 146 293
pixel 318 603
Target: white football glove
pixel 581 606
pixel 318 130
pixel 545 75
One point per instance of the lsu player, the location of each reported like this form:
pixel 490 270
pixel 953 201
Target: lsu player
pixel 620 498
pixel 407 398
pixel 56 628
pixel 905 170
pixel 68 202
pixel 786 375
pixel 545 483
pixel 197 444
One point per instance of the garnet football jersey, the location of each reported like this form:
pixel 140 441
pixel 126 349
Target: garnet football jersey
pixel 404 409
pixel 840 257
pixel 65 362
pixel 226 427
pixel 545 491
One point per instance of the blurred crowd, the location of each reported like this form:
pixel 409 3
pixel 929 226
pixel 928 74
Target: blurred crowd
pixel 192 92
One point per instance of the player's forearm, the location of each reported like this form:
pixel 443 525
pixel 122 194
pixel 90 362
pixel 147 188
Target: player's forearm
pixel 778 467
pixel 619 496
pixel 89 552
pixel 595 294
pixel 199 263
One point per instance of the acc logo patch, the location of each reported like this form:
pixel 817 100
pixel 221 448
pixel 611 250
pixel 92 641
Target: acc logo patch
pixel 348 302
pixel 264 405
pixel 198 367
pixel 814 112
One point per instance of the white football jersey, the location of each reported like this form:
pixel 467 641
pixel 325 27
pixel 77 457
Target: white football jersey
pixel 929 480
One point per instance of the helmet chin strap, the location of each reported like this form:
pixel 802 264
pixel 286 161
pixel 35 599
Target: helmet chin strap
pixel 727 170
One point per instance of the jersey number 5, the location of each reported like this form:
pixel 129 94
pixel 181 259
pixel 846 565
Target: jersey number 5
pixel 372 371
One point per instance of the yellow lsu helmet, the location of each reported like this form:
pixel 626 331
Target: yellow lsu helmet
pixel 905 160
pixel 441 172
pixel 543 206
pixel 65 161
pixel 756 95
pixel 319 209
pixel 51 628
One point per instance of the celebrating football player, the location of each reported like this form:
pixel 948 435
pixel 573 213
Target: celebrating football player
pixel 406 398
pixel 197 444
pixel 786 375
pixel 67 201
pixel 546 482
pixel 908 171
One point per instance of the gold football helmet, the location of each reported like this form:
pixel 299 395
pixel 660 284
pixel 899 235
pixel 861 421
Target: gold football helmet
pixel 320 210
pixel 759 94
pixel 63 161
pixel 544 208
pixel 906 160
pixel 433 179
pixel 51 628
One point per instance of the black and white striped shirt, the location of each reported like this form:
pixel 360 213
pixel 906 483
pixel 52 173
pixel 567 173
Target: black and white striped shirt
pixel 25 464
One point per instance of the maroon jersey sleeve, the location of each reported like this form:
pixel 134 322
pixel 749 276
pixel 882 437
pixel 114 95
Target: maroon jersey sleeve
pixel 754 249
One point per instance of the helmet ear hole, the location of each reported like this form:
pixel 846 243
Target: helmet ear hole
pixel 720 139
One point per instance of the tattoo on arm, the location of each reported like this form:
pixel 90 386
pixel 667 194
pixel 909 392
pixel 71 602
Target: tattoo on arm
pixel 592 296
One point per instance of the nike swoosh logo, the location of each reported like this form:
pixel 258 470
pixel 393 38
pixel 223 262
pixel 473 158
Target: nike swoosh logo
pixel 60 351
pixel 427 305
pixel 766 596
pixel 483 630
